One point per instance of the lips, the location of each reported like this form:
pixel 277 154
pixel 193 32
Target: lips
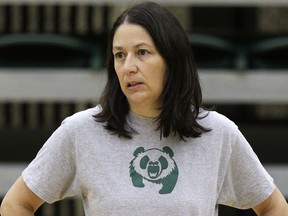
pixel 133 84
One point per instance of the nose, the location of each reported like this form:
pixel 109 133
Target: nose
pixel 130 64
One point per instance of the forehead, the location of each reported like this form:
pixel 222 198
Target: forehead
pixel 131 35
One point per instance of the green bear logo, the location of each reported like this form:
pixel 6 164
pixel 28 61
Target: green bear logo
pixel 156 166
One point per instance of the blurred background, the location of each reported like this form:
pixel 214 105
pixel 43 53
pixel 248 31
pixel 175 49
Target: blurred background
pixel 52 56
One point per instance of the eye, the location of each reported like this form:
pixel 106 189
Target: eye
pixel 119 55
pixel 142 52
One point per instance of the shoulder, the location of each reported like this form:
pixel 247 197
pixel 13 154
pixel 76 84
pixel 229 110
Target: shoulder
pixel 214 120
pixel 85 117
pixel 220 126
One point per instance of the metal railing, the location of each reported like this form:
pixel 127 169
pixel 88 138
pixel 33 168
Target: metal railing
pixel 55 18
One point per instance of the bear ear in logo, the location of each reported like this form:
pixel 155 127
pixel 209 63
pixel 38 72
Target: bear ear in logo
pixel 168 150
pixel 138 151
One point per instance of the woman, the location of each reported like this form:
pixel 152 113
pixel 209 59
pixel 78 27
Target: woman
pixel 148 148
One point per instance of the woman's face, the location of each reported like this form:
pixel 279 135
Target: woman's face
pixel 139 67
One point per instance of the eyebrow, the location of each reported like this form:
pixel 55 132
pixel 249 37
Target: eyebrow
pixel 117 48
pixel 136 46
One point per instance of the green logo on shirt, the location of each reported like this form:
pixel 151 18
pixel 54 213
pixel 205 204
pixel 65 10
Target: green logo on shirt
pixel 156 166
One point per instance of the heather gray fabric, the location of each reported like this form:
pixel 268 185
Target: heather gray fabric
pixel 147 175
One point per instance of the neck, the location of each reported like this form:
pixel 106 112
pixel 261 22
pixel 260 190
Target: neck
pixel 145 111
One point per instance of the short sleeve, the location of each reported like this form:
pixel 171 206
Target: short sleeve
pixel 52 174
pixel 246 182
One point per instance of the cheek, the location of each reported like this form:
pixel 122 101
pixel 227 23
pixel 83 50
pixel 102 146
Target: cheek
pixel 159 79
pixel 158 83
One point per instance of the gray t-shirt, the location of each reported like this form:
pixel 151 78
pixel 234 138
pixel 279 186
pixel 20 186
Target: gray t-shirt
pixel 147 175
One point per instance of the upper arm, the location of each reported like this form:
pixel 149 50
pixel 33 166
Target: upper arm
pixel 21 197
pixel 275 205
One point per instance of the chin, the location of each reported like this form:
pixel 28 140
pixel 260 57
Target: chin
pixel 137 101
pixel 137 98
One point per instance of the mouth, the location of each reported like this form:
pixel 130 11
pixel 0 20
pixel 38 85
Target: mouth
pixel 133 84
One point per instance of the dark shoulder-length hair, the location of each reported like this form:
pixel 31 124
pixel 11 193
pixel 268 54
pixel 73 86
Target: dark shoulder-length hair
pixel 181 97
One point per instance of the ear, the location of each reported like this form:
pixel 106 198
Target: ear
pixel 138 151
pixel 168 150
